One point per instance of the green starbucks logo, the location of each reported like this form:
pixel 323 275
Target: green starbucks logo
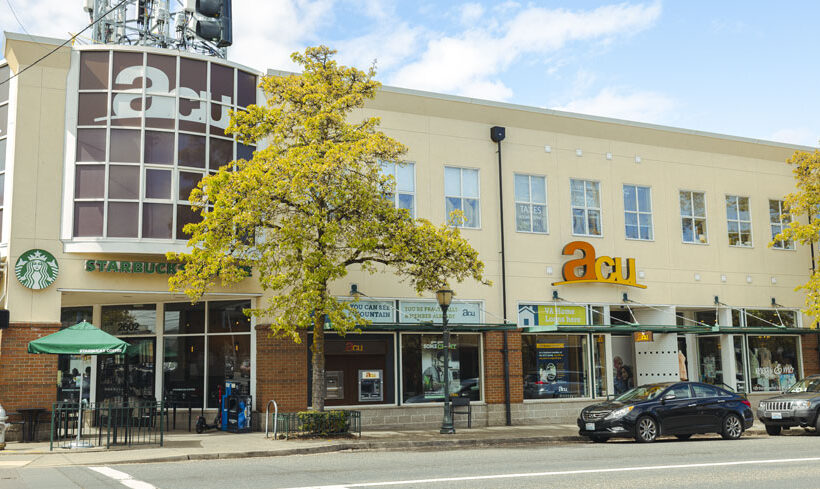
pixel 36 269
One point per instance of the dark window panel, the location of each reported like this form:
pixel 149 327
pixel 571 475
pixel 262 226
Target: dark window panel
pixel 1 224
pixel 219 119
pixel 244 152
pixel 92 109
pixel 227 316
pixel 185 215
pixel 94 70
pixel 123 218
pixel 89 182
pixel 128 73
pixel 229 359
pixel 126 109
pixel 184 372
pixel 5 72
pixel 157 184
pixel 159 147
pixel 123 182
pixel 184 318
pixel 168 66
pixel 157 220
pixel 2 190
pixel 4 120
pixel 125 146
pixel 3 154
pixel 88 219
pixel 245 88
pixel 192 78
pixel 160 111
pixel 187 182
pixel 221 84
pixel 191 150
pixel 221 153
pixel 90 144
pixel 192 115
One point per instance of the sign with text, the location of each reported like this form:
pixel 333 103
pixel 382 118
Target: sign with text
pixel 643 336
pixel 603 269
pixel 375 311
pixel 542 315
pixel 430 312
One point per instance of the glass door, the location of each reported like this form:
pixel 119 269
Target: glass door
pixel 711 365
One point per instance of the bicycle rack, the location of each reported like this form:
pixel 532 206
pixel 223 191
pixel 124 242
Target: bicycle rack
pixel 275 417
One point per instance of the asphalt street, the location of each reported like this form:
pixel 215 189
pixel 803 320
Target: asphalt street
pixel 791 461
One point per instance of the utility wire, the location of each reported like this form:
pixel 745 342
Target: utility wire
pixel 71 39
pixel 15 17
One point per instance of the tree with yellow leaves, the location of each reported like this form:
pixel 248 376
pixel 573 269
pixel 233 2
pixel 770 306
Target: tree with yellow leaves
pixel 804 203
pixel 310 206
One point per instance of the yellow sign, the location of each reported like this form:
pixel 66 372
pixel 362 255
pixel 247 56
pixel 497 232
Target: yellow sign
pixel 642 336
pixel 603 269
pixel 543 315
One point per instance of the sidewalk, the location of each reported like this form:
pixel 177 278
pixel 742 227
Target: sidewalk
pixel 182 446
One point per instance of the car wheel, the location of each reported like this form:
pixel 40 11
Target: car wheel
pixel 817 423
pixel 732 427
pixel 598 439
pixel 683 437
pixel 773 430
pixel 646 430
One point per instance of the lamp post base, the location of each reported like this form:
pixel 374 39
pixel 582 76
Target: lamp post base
pixel 447 431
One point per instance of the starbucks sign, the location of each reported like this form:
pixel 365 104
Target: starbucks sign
pixel 36 269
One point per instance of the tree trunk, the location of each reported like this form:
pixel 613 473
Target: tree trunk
pixel 318 348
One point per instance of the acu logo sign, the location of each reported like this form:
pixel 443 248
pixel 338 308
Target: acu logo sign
pixel 603 269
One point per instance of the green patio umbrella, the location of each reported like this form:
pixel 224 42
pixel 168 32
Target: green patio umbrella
pixel 81 339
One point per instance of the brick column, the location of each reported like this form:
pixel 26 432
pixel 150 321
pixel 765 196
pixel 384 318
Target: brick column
pixel 811 357
pixel 281 371
pixel 494 367
pixel 26 380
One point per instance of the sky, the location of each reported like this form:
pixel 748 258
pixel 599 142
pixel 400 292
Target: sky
pixel 743 68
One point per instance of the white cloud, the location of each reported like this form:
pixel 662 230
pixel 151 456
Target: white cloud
pixel 471 13
pixel 389 45
pixel 49 18
pixel 645 106
pixel 474 57
pixel 796 135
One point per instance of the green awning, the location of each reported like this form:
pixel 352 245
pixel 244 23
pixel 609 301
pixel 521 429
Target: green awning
pixel 81 339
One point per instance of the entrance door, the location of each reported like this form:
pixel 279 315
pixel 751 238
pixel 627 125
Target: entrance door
pixel 128 377
pixel 711 365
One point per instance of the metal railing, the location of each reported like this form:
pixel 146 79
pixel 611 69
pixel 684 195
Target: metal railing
pixel 275 417
pixel 316 424
pixel 108 425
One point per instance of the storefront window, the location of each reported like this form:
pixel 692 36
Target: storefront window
pixel 555 366
pixel 184 369
pixel 229 359
pixel 766 318
pixel 131 319
pixel 422 360
pixel 773 362
pixel 129 377
pixel 740 364
pixel 70 367
pixel 711 364
pixel 599 363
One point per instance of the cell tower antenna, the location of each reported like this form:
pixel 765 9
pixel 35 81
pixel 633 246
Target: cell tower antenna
pixel 196 26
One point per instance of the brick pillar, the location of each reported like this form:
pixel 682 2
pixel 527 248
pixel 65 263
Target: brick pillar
pixel 281 371
pixel 494 367
pixel 26 380
pixel 811 357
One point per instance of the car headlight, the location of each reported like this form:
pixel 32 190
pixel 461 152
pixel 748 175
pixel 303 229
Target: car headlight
pixel 801 404
pixel 619 413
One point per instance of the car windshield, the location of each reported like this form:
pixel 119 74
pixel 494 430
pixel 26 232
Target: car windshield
pixel 642 393
pixel 811 384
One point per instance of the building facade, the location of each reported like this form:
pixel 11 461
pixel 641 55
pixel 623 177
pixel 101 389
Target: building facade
pixel 631 253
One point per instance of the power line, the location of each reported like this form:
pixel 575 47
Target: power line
pixel 71 39
pixel 15 17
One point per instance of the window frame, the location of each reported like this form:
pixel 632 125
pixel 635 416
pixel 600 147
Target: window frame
pixel 693 217
pixel 395 195
pixel 530 203
pixel 461 197
pixel 785 245
pixel 638 212
pixel 586 209
pixel 739 221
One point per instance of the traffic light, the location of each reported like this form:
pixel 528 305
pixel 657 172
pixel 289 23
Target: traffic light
pixel 216 25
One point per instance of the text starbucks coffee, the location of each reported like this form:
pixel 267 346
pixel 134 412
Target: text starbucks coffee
pixel 132 267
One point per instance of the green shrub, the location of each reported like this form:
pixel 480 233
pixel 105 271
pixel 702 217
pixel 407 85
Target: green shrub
pixel 324 423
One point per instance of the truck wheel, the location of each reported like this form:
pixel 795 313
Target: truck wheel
pixel 773 429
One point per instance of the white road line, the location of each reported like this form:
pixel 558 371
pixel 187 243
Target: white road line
pixel 561 472
pixel 123 478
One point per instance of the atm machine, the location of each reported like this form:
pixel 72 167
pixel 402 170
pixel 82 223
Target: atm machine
pixel 371 385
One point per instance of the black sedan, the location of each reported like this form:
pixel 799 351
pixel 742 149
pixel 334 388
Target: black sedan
pixel 670 408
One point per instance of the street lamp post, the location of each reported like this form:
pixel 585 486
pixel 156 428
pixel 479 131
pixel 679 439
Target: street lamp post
pixel 444 298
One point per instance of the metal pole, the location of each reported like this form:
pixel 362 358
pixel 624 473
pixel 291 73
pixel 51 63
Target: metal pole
pixel 80 400
pixel 506 350
pixel 447 424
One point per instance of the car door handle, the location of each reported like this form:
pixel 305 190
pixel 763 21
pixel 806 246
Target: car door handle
pixel 721 402
pixel 692 405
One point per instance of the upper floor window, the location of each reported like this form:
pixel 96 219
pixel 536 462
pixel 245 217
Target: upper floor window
pixel 586 207
pixel 779 220
pixel 404 196
pixel 461 194
pixel 4 113
pixel 531 204
pixel 693 217
pixel 638 212
pixel 739 221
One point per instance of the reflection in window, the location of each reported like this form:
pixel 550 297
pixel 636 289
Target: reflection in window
pixel 461 194
pixel 638 212
pixel 530 204
pixel 779 220
pixel 693 217
pixel 404 193
pixel 555 366
pixel 229 359
pixel 739 221
pixel 131 319
pixel 93 70
pixel 773 362
pixel 585 197
pixel 423 367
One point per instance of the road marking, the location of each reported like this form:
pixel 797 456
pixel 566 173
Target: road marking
pixel 123 478
pixel 561 472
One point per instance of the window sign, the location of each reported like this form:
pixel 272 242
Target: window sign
pixel 375 311
pixel 430 312
pixel 541 315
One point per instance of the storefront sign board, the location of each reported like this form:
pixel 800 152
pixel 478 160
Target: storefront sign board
pixel 123 266
pixel 36 269
pixel 551 368
pixel 430 312
pixel 642 336
pixel 603 269
pixel 544 315
pixel 375 311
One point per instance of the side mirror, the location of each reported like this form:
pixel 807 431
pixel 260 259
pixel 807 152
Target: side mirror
pixel 670 397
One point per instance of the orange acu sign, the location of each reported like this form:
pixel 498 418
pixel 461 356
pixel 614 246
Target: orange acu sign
pixel 603 269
